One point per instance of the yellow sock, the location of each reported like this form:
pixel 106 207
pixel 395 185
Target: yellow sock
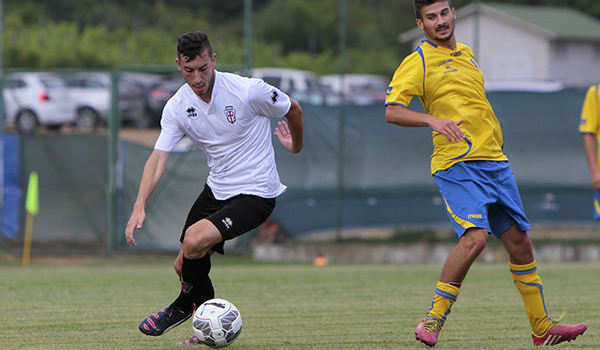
pixel 444 296
pixel 529 284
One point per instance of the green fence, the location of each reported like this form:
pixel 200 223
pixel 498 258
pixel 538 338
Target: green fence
pixel 386 175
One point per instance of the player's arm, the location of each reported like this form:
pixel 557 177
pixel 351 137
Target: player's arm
pixel 400 115
pixel 291 133
pixel 590 145
pixel 151 176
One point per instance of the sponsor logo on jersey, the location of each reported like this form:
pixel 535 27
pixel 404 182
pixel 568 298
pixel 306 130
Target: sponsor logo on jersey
pixel 274 96
pixel 227 222
pixel 474 216
pixel 230 114
pixel 456 54
pixel 444 62
pixel 191 112
pixel 389 90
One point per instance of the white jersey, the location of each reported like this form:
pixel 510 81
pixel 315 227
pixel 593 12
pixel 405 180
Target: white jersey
pixel 233 130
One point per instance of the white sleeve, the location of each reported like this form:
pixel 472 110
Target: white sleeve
pixel 170 133
pixel 267 100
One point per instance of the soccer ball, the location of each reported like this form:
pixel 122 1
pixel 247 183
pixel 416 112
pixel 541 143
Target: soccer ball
pixel 217 323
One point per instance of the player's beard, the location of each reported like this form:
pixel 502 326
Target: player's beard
pixel 447 36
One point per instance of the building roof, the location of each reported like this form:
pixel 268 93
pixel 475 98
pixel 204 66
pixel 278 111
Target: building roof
pixel 550 21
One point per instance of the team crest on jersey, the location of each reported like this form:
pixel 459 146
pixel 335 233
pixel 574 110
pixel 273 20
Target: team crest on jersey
pixel 230 114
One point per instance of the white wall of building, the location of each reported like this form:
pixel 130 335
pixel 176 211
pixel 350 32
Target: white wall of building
pixel 575 63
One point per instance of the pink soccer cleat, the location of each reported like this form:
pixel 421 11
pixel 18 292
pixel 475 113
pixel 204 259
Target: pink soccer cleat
pixel 191 341
pixel 428 330
pixel 560 333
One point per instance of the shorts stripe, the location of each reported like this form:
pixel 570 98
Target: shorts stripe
pixel 462 222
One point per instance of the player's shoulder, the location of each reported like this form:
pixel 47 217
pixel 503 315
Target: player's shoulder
pixel 180 97
pixel 415 56
pixel 464 48
pixel 232 80
pixel 414 60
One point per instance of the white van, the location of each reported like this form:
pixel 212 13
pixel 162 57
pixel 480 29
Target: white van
pixel 301 85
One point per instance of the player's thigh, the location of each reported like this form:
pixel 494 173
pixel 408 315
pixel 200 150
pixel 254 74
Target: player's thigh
pixel 205 205
pixel 241 214
pixel 509 209
pixel 464 199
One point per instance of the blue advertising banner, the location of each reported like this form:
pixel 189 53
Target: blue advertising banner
pixel 10 187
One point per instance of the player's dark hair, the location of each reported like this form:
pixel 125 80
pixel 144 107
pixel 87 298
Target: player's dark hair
pixel 419 4
pixel 192 44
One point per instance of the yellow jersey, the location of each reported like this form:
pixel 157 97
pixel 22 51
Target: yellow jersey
pixel 450 86
pixel 590 114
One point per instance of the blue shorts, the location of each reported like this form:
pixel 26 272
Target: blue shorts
pixel 481 194
pixel 596 204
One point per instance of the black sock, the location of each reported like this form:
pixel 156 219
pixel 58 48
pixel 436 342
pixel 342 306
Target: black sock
pixel 195 283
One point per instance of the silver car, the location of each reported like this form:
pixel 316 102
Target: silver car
pixel 35 99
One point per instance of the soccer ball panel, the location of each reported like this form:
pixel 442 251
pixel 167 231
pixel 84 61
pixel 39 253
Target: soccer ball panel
pixel 217 323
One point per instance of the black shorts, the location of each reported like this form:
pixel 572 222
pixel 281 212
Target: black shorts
pixel 233 216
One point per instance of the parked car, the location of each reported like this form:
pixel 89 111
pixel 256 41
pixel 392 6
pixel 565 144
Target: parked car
pixel 36 99
pixel 91 93
pixel 359 89
pixel 301 85
pixel 158 96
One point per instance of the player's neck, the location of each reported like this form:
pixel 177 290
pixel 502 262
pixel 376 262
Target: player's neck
pixel 208 95
pixel 450 43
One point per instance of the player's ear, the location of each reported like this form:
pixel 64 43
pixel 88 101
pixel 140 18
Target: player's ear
pixel 178 63
pixel 420 24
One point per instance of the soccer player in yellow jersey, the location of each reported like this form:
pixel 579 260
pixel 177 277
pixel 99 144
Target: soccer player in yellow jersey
pixel 469 168
pixel 590 127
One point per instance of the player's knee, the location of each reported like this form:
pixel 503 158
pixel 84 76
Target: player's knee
pixel 195 244
pixel 521 240
pixel 474 242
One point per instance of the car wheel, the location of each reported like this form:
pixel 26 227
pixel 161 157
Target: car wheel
pixel 86 119
pixel 27 122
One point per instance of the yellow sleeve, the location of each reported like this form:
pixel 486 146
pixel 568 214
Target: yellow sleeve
pixel 407 81
pixel 590 112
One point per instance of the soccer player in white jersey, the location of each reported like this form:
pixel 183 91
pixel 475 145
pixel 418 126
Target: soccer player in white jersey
pixel 228 117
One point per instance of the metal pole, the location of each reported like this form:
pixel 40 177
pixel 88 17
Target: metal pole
pixel 1 69
pixel 248 33
pixel 476 27
pixel 112 144
pixel 339 217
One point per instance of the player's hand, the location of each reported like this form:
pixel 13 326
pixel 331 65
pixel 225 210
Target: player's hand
pixel 448 128
pixel 282 131
pixel 135 222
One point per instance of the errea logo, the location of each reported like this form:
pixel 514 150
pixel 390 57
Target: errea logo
pixel 191 112
pixel 474 216
pixel 227 222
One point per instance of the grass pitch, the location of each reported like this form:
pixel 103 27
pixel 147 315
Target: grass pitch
pixel 98 304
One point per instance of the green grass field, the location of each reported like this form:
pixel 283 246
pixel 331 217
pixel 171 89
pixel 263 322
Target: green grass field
pixel 98 304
